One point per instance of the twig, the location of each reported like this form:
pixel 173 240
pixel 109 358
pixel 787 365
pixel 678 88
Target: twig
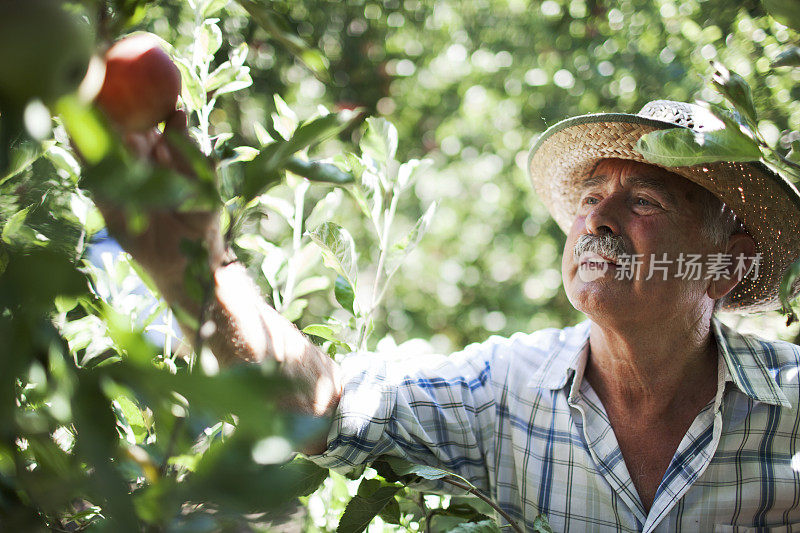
pixel 479 494
pixel 102 22
pixel 425 512
pixel 297 240
pixel 388 219
pixel 173 436
pixel 201 319
pixel 786 160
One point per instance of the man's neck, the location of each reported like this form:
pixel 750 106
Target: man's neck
pixel 652 381
pixel 651 367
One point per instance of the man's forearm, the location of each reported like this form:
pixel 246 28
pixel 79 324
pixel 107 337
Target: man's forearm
pixel 245 328
pixel 248 329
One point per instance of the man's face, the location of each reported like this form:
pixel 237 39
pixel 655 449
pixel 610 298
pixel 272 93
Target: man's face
pixel 646 212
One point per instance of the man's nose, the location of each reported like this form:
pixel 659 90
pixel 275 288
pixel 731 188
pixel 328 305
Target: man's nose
pixel 604 217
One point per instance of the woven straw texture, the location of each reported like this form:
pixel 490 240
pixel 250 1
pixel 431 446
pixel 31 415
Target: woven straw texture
pixel 768 205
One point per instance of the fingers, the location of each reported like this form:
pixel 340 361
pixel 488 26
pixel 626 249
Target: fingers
pixel 141 143
pixel 162 154
pixel 177 122
pixel 150 144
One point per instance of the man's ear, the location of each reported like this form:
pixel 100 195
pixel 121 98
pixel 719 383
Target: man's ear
pixel 742 250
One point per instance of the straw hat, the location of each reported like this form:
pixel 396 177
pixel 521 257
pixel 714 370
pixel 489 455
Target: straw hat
pixel 769 206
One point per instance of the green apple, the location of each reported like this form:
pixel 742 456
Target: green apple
pixel 45 51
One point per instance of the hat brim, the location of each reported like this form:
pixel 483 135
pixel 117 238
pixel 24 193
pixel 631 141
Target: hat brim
pixel 769 205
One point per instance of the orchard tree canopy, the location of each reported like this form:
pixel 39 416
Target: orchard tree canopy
pixel 367 161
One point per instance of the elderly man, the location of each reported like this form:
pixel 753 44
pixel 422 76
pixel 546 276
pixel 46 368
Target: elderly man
pixel 650 416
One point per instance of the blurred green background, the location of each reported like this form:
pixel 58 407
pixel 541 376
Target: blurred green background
pixel 470 84
pixel 99 423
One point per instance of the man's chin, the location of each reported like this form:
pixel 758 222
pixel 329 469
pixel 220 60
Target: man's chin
pixel 600 296
pixel 596 271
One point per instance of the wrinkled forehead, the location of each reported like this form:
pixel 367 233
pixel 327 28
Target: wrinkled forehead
pixel 635 174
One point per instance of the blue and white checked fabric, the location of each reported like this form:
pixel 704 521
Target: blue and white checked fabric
pixel 516 418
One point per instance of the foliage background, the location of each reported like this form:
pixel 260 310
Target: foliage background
pixel 468 85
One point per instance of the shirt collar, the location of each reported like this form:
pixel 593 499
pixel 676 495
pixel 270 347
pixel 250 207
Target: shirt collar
pixel 746 362
pixel 566 357
pixel 744 357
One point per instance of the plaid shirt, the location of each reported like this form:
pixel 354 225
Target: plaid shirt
pixel 516 418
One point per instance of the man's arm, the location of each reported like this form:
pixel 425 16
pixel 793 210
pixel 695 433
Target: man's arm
pixel 239 324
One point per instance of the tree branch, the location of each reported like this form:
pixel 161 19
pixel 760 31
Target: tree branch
pixel 475 492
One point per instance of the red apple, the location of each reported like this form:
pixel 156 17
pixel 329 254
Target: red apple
pixel 141 84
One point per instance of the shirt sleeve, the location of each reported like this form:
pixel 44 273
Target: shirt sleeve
pixel 431 410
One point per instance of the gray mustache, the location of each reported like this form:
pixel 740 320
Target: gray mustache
pixel 609 246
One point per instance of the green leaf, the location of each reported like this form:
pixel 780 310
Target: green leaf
pixel 484 526
pixel 227 477
pixel 318 129
pixel 320 330
pixel 305 476
pixel 391 513
pixel 345 294
pixel 262 135
pixel 316 61
pixel 785 292
pixel 16 232
pixel 63 160
pixel 372 497
pixel 266 168
pixel 133 415
pixel 284 120
pixel 541 524
pixel 211 7
pixel 85 127
pixel 735 89
pixel 243 80
pixel 787 58
pixel 96 442
pixel 208 39
pixel 469 506
pixel 232 75
pixel 312 284
pixel 23 154
pixel 328 333
pixel 192 91
pixel 380 140
pixel 282 207
pixel 368 193
pixel 401 467
pixel 325 209
pixel 338 249
pixel 319 171
pixel 680 147
pixel 794 153
pixel 787 12
pixel 294 310
pixel 261 173
pixel 34 278
pixel 400 250
pixel 243 153
pixel 409 171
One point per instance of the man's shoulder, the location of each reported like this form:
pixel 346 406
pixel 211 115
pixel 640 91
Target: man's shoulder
pixel 527 351
pixel 762 367
pixel 775 353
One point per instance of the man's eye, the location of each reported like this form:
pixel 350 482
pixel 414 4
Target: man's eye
pixel 590 200
pixel 644 202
